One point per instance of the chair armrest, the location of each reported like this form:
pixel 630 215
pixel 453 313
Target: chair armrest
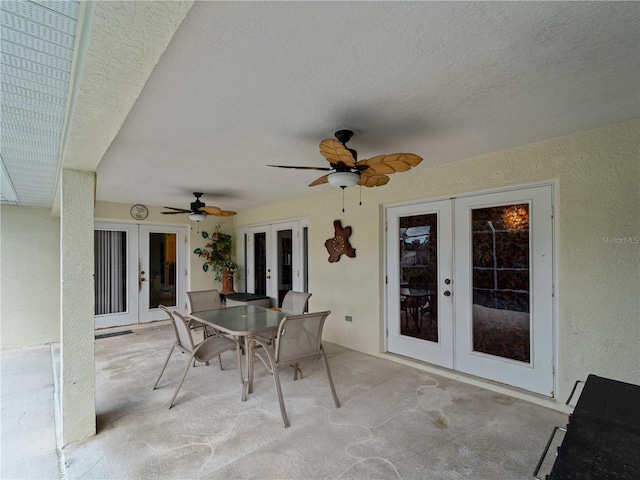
pixel 268 350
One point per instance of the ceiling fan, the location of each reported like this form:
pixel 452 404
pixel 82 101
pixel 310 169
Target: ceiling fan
pixel 347 171
pixel 199 210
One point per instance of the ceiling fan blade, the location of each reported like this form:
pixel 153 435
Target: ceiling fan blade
pixel 320 181
pixel 210 210
pixel 216 211
pixel 335 152
pixel 175 213
pixel 178 210
pixel 224 213
pixel 301 168
pixel 375 180
pixel 387 164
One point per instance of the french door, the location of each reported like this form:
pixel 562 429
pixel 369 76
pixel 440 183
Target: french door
pixel 274 259
pixel 420 275
pixel 470 285
pixel 138 268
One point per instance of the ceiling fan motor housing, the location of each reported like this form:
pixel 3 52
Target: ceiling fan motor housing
pixel 197 205
pixel 343 136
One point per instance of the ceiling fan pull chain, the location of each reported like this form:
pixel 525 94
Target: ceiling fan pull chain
pixel 360 195
pixel 342 199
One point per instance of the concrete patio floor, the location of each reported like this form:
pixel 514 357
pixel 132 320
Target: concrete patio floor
pixel 395 422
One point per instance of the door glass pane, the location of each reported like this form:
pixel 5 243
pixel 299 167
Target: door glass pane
pixel 418 276
pixel 162 269
pixel 110 267
pixel 260 263
pixel 285 270
pixel 501 283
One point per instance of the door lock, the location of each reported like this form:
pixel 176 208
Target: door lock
pixel 447 293
pixel 447 281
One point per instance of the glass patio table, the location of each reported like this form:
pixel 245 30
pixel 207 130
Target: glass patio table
pixel 242 321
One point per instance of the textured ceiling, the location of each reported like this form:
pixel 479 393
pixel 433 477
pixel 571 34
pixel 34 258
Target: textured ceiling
pixel 246 84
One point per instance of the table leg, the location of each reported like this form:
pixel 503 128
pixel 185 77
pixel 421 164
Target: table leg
pixel 248 351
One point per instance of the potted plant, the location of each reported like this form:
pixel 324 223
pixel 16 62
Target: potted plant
pixel 218 258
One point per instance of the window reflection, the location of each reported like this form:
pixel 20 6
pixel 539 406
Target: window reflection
pixel 501 283
pixel 162 269
pixel 418 274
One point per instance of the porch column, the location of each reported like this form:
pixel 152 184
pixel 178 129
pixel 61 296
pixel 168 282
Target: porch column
pixel 77 372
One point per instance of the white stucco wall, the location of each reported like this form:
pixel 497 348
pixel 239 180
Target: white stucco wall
pixel 598 197
pixel 29 277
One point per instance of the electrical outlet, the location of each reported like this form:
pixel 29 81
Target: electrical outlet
pixel 348 318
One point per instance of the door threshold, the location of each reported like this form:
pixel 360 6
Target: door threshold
pixel 510 391
pixel 135 326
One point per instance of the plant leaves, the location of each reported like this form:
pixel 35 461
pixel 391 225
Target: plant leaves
pixel 197 251
pixel 205 235
pixel 205 267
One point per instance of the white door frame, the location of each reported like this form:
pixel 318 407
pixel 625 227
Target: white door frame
pixel 540 373
pixel 270 230
pixel 440 352
pixel 145 313
pixel 137 290
pixel 130 315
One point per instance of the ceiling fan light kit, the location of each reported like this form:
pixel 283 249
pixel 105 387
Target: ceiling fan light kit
pixel 197 217
pixel 343 179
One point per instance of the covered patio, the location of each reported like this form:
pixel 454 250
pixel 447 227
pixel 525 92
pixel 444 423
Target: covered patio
pixel 395 421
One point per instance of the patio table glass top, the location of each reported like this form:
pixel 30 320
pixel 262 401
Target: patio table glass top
pixel 240 320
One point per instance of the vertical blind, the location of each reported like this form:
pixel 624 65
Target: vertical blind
pixel 110 249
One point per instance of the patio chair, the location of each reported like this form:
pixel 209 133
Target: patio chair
pixel 211 347
pixel 203 300
pixel 295 303
pixel 298 339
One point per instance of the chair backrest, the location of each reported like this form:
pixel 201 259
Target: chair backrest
pixel 299 336
pixel 204 300
pixel 181 329
pixel 295 303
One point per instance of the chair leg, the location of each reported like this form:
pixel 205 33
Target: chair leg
pixel 296 369
pixel 283 410
pixel 175 394
pixel 165 365
pixel 220 359
pixel 326 369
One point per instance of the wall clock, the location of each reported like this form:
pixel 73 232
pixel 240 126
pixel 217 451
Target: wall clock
pixel 339 244
pixel 139 212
